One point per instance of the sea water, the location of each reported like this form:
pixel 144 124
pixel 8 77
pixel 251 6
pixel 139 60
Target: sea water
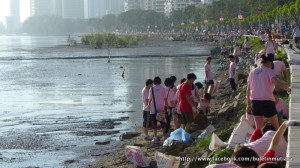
pixel 49 94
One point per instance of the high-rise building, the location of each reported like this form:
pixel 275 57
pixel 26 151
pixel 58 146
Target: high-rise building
pixel 73 9
pixel 149 4
pixel 208 1
pixel 133 4
pixel 13 20
pixel 171 5
pixel 46 7
pixel 195 2
pixel 115 6
pixel 160 6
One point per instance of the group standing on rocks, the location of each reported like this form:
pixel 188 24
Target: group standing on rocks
pixel 183 103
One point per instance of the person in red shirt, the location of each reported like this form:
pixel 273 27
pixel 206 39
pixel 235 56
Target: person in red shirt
pixel 186 103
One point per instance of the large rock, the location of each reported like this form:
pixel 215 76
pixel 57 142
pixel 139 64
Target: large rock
pixel 128 135
pixel 102 142
pixel 227 109
pixel 242 76
pixel 200 121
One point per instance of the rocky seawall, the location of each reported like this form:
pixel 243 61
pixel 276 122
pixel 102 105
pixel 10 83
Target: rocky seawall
pixel 228 106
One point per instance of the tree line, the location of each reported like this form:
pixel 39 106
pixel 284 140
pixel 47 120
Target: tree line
pixel 254 12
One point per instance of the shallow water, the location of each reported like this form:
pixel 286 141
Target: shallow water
pixel 49 106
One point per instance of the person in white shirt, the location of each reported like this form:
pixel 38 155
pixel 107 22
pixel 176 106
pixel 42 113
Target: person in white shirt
pixel 209 76
pixel 232 68
pixel 146 108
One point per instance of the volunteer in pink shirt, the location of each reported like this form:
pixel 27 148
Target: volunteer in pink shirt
pixel 146 108
pixel 209 76
pixel 261 145
pixel 281 106
pixel 270 47
pixel 279 69
pixel 157 95
pixel 260 99
pixel 169 102
pixel 177 115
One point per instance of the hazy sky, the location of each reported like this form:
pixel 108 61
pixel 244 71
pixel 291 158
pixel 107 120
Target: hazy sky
pixel 24 11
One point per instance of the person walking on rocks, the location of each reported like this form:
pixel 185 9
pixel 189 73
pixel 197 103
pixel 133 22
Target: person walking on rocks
pixel 260 99
pixel 232 68
pixel 146 107
pixel 186 103
pixel 209 76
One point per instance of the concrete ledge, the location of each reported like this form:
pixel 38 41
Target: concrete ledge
pixel 293 150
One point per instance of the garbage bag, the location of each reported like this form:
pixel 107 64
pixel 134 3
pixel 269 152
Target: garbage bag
pixel 164 161
pixel 136 156
pixel 180 135
pixel 210 129
pixel 241 134
pixel 216 142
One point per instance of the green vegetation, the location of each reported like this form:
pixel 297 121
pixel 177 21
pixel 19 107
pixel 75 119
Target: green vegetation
pixel 220 153
pixel 71 41
pixel 255 43
pixel 201 144
pixel 110 40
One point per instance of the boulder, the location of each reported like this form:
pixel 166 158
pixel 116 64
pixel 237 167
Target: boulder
pixel 200 121
pixel 242 76
pixel 237 97
pixel 227 109
pixel 102 142
pixel 128 135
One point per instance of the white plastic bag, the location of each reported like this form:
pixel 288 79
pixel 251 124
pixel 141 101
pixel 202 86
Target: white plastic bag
pixel 216 142
pixel 209 129
pixel 165 161
pixel 136 156
pixel 241 134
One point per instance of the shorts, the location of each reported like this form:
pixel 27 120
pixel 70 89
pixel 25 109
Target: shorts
pixel 264 108
pixel 154 122
pixel 210 82
pixel 187 117
pixel 147 119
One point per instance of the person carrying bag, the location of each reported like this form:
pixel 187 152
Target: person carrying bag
pixel 157 104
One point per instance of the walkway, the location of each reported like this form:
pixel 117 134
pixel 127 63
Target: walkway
pixel 294 110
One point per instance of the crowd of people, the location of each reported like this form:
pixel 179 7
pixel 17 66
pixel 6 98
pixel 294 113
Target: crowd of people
pixel 182 103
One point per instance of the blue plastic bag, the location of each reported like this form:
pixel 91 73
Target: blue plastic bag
pixel 180 135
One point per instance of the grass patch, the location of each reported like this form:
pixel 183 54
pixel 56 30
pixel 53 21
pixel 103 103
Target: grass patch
pixel 255 43
pixel 200 145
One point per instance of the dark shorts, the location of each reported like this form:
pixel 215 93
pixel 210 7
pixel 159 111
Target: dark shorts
pixel 210 82
pixel 271 55
pixel 297 39
pixel 147 119
pixel 264 108
pixel 154 122
pixel 224 53
pixel 187 117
